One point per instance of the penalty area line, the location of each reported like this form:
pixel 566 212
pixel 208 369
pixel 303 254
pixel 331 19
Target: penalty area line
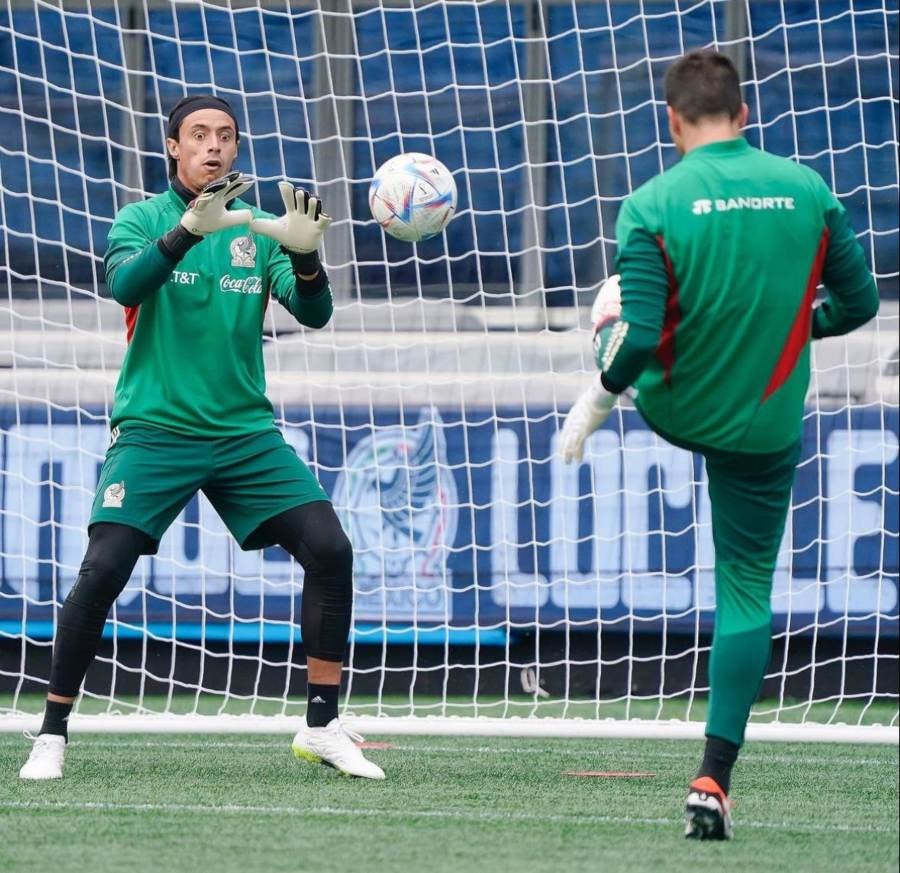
pixel 458 815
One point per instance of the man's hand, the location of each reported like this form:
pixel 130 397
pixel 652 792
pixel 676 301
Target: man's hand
pixel 301 227
pixel 207 213
pixel 591 409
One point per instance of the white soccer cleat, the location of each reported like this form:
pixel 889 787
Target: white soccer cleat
pixel 335 746
pixel 46 758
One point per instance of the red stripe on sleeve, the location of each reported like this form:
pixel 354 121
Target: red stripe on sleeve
pixel 131 315
pixel 800 330
pixel 665 351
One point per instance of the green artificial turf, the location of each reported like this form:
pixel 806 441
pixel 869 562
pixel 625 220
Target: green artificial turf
pixel 243 803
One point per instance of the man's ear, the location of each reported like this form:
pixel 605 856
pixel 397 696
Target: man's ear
pixel 172 148
pixel 743 115
pixel 674 122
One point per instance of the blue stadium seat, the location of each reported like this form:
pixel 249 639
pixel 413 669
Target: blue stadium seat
pixel 406 85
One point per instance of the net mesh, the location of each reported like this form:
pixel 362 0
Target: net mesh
pixel 490 579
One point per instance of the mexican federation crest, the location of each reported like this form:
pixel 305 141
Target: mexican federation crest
pixel 243 251
pixel 397 500
pixel 114 495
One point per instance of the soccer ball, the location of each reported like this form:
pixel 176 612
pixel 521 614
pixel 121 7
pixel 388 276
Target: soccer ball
pixel 412 196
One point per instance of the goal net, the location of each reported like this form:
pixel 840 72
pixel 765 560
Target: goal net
pixel 496 590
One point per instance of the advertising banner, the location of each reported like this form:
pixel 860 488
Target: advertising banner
pixel 467 519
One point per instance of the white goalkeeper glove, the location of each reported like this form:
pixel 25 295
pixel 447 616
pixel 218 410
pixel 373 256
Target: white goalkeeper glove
pixel 591 409
pixel 605 311
pixel 301 227
pixel 207 213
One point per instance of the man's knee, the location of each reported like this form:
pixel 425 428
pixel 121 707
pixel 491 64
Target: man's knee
pixel 333 554
pixel 743 595
pixel 323 548
pixel 109 560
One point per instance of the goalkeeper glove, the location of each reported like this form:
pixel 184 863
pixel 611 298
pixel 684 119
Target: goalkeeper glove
pixel 301 227
pixel 591 409
pixel 605 312
pixel 207 213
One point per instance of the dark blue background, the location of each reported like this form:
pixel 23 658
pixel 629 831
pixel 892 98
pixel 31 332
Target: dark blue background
pixel 823 75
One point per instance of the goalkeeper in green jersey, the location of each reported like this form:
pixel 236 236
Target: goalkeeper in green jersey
pixel 194 268
pixel 718 263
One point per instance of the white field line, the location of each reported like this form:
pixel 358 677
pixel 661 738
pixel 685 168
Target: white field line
pixel 444 750
pixel 357 812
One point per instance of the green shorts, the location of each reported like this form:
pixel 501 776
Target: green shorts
pixel 150 475
pixel 750 495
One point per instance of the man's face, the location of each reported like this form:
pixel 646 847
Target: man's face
pixel 205 149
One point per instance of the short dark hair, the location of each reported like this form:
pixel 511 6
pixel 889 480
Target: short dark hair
pixel 703 84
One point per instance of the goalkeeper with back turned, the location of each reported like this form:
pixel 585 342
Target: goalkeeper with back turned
pixel 194 268
pixel 718 263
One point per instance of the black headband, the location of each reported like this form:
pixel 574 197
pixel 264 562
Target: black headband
pixel 187 105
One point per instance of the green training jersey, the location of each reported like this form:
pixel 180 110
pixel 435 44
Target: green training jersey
pixel 194 363
pixel 720 258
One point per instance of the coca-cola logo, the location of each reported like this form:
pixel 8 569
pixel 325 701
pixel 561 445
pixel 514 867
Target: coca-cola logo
pixel 245 285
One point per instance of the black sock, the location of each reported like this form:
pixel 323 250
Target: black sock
pixel 321 704
pixel 718 759
pixel 56 718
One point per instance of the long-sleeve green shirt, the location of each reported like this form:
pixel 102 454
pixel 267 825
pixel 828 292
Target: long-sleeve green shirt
pixel 719 259
pixel 194 362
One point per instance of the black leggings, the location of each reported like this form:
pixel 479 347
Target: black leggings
pixel 311 534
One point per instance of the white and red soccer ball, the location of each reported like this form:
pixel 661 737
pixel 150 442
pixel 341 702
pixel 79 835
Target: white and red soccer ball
pixel 413 196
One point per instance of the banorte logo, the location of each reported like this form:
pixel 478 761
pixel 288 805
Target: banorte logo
pixel 243 285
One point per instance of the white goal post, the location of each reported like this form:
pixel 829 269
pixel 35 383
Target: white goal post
pixel 497 592
pixel 461 726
